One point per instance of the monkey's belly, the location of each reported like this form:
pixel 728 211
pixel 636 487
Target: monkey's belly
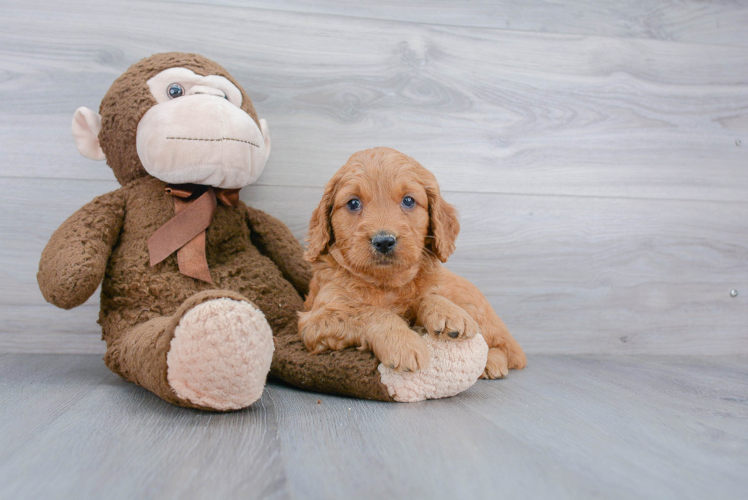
pixel 133 294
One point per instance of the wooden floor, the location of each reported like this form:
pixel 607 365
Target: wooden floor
pixel 567 427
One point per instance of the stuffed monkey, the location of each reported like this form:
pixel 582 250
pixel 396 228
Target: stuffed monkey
pixel 194 281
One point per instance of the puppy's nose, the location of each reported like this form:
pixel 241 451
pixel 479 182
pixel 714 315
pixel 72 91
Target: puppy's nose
pixel 384 243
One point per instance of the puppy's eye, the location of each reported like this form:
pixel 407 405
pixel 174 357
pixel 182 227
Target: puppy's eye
pixel 409 202
pixel 175 90
pixel 354 205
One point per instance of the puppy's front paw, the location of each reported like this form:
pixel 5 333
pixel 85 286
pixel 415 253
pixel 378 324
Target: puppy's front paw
pixel 443 318
pixel 403 350
pixel 317 333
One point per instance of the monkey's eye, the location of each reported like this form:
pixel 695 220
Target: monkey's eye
pixel 409 202
pixel 354 205
pixel 175 90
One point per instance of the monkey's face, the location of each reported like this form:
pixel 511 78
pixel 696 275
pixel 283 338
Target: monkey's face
pixel 180 118
pixel 198 133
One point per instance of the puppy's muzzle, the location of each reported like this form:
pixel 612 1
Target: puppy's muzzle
pixel 384 243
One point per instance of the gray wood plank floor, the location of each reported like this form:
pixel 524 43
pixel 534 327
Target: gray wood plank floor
pixel 575 427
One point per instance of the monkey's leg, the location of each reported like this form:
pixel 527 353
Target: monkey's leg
pixel 214 353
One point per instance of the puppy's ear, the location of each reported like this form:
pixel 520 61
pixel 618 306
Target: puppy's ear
pixel 320 235
pixel 443 223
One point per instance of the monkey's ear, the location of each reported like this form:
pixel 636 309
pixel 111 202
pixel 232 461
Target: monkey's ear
pixel 86 127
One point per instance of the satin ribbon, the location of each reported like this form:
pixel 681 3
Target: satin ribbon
pixel 194 206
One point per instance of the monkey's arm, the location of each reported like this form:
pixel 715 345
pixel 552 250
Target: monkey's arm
pixel 73 262
pixel 274 240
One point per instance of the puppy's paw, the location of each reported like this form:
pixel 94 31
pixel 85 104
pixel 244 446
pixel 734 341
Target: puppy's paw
pixel 497 365
pixel 315 332
pixel 443 318
pixel 403 350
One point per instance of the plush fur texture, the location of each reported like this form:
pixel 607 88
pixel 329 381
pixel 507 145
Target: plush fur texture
pixel 224 148
pixel 349 372
pixel 361 297
pixel 454 368
pixel 220 354
pixel 253 258
pixel 129 98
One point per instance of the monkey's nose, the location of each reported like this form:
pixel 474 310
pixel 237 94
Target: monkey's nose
pixel 383 243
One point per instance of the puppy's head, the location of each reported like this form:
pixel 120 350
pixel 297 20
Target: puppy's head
pixel 382 214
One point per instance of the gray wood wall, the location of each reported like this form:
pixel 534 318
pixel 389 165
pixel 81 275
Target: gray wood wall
pixel 597 150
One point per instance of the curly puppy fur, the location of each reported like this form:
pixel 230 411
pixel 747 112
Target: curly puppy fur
pixel 364 297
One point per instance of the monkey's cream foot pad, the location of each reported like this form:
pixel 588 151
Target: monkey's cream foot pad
pixel 455 366
pixel 220 355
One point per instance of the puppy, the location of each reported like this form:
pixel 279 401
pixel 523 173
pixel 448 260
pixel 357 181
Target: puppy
pixel 376 241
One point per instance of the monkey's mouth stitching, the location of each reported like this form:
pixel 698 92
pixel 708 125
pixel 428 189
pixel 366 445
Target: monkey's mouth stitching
pixel 211 140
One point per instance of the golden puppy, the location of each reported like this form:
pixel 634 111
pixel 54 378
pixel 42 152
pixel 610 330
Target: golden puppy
pixel 376 240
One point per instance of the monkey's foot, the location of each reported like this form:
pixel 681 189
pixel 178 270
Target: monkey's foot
pixel 455 366
pixel 220 354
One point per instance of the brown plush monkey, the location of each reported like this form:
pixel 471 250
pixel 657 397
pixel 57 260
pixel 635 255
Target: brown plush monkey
pixel 193 279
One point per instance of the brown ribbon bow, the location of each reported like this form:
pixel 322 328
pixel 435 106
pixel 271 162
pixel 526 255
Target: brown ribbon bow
pixel 194 206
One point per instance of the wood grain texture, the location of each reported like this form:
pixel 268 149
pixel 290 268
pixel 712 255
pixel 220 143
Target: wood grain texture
pixel 602 180
pixel 618 425
pixel 487 110
pixel 567 274
pixel 572 427
pixel 713 22
pixel 133 446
